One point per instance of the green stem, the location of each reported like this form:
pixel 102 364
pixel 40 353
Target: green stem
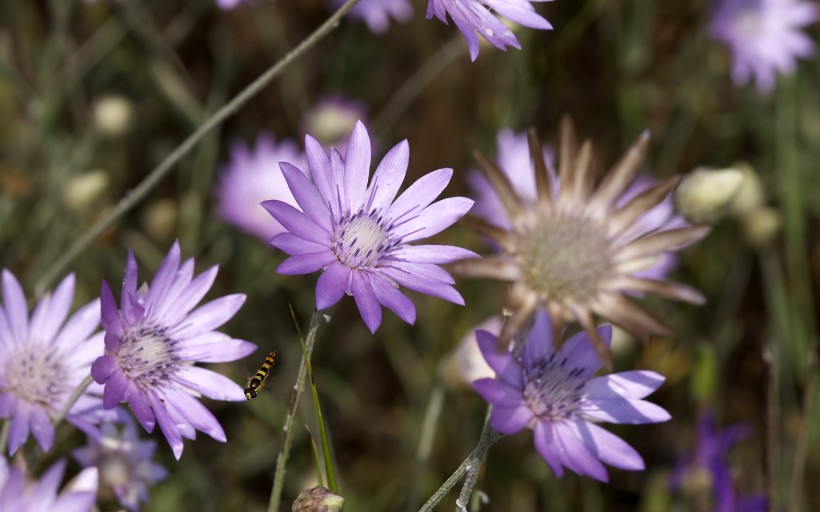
pixel 287 428
pixel 160 171
pixel 470 465
pixel 428 430
pixel 71 400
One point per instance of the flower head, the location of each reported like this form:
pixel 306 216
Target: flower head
pixel 43 359
pixel 709 465
pixel 577 249
pixel 251 176
pixel 376 14
pixel 152 342
pixel 764 37
pixel 474 17
pixel 360 237
pixel 20 494
pixel 553 393
pixel 331 120
pixel 124 463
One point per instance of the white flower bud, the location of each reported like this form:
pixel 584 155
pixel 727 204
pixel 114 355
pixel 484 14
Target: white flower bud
pixel 112 115
pixel 705 194
pixel 81 191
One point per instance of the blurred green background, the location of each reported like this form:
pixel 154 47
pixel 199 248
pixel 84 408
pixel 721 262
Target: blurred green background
pixel 617 67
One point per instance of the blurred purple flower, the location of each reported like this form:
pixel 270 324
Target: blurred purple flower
pixel 331 120
pixel 711 456
pixel 124 463
pixel 153 341
pixel 514 160
pixel 554 394
pixel 252 175
pixel 764 37
pixel 377 13
pixel 474 17
pixel 359 237
pixel 43 359
pixel 19 494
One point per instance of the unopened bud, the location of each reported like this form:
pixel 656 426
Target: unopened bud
pixel 750 196
pixel 466 363
pixel 704 195
pixel 112 115
pixel 81 191
pixel 160 219
pixel 318 499
pixel 332 119
pixel 761 225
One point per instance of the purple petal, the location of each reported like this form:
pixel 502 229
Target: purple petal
pixel 423 284
pixel 80 326
pixel 214 347
pixel 197 415
pixel 539 344
pixel 509 420
pixel 209 383
pixel 433 254
pixel 18 431
pixel 633 384
pixel 307 263
pixel 579 351
pixel 502 363
pixel 190 296
pixel 293 245
pixel 434 219
pixel 168 426
pixel 424 270
pixel 110 313
pixel 16 308
pixel 8 403
pixel 103 368
pixel 390 297
pixel 141 406
pixel 297 222
pixel 320 172
pixel 357 166
pixel 52 310
pixel 547 446
pixel 41 428
pixel 332 285
pixel 369 307
pixel 115 388
pixel 573 438
pixel 163 278
pixel 496 392
pixel 48 484
pixel 612 449
pixel 337 168
pixel 619 410
pixel 307 196
pixel 211 315
pixel 389 176
pixel 129 283
pixel 420 194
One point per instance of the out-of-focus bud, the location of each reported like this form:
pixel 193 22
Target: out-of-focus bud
pixel 622 341
pixel 761 225
pixel 160 219
pixel 331 120
pixel 705 194
pixel 318 499
pixel 81 191
pixel 466 364
pixel 750 197
pixel 113 115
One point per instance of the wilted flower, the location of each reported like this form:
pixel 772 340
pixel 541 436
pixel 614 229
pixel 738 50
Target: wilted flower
pixel 377 13
pixel 359 236
pixel 20 494
pixel 554 394
pixel 152 342
pixel 576 250
pixel 474 17
pixel 124 463
pixel 252 176
pixel 43 359
pixel 707 471
pixel 764 37
pixel 331 120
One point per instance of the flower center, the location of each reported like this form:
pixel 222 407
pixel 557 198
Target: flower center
pixel 565 257
pixel 36 374
pixel 554 390
pixel 147 355
pixel 361 240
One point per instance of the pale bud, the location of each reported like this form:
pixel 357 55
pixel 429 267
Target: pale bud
pixel 704 195
pixel 113 115
pixel 331 120
pixel 750 196
pixel 318 499
pixel 761 225
pixel 466 363
pixel 160 219
pixel 81 191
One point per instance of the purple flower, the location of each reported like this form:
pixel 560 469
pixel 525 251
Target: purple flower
pixel 43 359
pixel 359 236
pixel 554 394
pixel 764 37
pixel 251 176
pixel 474 17
pixel 377 13
pixel 514 160
pixel 153 341
pixel 710 460
pixel 124 463
pixel 20 494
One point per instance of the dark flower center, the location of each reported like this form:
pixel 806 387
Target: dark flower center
pixel 36 374
pixel 147 354
pixel 361 240
pixel 554 389
pixel 565 257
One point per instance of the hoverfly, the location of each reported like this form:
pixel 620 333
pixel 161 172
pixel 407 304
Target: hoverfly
pixel 257 382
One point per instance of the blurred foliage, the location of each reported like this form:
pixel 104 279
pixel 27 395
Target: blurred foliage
pixel 616 67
